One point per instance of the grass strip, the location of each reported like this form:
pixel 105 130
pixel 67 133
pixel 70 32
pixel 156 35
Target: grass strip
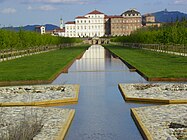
pixel 152 64
pixel 40 66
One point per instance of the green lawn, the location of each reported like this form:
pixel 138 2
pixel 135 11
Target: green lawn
pixel 39 67
pixel 153 64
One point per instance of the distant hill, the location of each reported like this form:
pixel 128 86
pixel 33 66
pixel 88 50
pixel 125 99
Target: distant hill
pixel 169 16
pixel 32 27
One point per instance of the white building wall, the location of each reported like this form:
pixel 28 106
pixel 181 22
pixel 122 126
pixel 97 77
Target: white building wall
pixel 92 25
pixel 70 30
pixel 42 29
pixel 62 34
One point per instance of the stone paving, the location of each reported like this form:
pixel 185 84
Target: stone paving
pixel 40 93
pixel 52 122
pixel 165 122
pixel 155 91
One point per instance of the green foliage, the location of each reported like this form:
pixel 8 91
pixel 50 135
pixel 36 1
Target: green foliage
pixel 27 39
pixel 173 33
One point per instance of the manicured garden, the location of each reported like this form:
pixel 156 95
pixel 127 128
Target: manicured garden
pixel 39 67
pixel 152 64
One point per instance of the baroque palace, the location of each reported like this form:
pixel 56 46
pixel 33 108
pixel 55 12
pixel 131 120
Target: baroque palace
pixel 97 24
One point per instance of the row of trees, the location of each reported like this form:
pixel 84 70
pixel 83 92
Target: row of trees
pixel 26 39
pixel 173 33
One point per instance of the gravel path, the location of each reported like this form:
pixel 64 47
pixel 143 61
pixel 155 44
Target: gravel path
pixel 165 122
pixel 155 91
pixel 38 93
pixel 51 122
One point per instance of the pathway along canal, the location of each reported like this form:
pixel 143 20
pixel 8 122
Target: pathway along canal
pixel 101 113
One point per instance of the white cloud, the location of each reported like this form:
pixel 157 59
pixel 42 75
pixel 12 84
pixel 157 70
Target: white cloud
pixel 42 8
pixel 180 2
pixel 8 10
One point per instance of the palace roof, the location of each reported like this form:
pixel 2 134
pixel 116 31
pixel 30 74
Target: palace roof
pixel 70 22
pixel 81 17
pixel 113 16
pixel 132 11
pixel 95 12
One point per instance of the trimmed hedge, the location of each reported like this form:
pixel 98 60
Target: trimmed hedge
pixel 27 39
pixel 173 33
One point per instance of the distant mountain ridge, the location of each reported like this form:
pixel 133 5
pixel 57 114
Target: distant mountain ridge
pixel 169 16
pixel 161 16
pixel 32 27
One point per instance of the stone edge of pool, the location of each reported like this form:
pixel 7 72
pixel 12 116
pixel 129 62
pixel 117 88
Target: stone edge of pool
pixel 64 129
pixel 138 115
pixel 143 130
pixel 47 102
pixel 149 100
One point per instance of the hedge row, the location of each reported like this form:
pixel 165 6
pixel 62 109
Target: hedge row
pixel 173 33
pixel 26 39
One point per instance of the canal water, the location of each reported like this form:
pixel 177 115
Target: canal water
pixel 101 112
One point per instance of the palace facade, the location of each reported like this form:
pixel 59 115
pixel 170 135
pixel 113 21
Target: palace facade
pixel 124 24
pixel 90 25
pixel 150 20
pixel 97 24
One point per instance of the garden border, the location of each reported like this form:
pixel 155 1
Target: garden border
pixel 47 102
pixel 143 130
pixel 64 129
pixel 149 100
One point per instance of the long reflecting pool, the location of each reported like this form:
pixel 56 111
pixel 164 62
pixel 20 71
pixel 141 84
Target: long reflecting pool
pixel 101 113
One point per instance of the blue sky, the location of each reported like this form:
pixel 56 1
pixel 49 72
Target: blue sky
pixel 24 12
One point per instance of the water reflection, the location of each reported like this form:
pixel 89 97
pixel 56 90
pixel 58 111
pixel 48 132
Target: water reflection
pixel 96 58
pixel 101 113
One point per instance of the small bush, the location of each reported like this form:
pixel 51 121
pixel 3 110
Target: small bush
pixel 26 129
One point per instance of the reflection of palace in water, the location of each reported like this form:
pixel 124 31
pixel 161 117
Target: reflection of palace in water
pixel 94 59
pixel 97 58
pixel 97 66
